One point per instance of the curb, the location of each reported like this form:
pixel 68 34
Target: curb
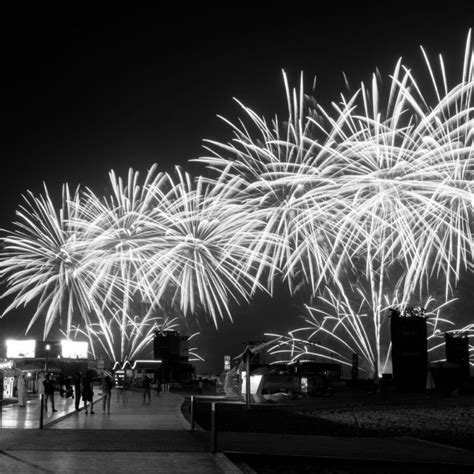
pixel 225 464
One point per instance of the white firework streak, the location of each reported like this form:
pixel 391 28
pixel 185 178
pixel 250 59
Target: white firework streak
pixel 388 187
pixel 274 174
pixel 119 231
pixel 106 336
pixel 379 190
pixel 411 204
pixel 45 260
pixel 334 330
pixel 205 259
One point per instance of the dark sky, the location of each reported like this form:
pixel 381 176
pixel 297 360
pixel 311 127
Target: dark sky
pixel 86 91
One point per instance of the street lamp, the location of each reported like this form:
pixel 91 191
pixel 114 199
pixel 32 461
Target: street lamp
pixel 47 347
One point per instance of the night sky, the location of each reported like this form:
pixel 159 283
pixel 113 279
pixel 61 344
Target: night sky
pixel 89 91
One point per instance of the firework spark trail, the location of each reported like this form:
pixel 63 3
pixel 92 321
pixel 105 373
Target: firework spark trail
pixel 404 188
pixel 206 259
pixel 378 188
pixel 105 337
pixel 334 331
pixel 119 230
pixel 394 180
pixel 281 175
pixel 44 259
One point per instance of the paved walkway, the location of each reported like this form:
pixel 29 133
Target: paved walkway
pixel 155 437
pixel 149 437
pixel 14 416
pixel 162 413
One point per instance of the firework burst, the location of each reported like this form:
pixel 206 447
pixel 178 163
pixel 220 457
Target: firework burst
pixel 205 259
pixel 383 194
pixel 366 203
pixel 44 260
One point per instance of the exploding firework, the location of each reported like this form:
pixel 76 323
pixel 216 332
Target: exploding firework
pixel 106 336
pixel 381 199
pixel 120 234
pixel 205 259
pixel 45 260
pixel 283 177
pixel 367 203
pixel 333 329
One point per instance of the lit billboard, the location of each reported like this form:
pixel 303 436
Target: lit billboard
pixel 74 349
pixel 17 349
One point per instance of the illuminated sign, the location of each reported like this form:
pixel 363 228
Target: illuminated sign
pixel 74 349
pixel 8 387
pixel 17 349
pixel 6 365
pixel 254 383
pixel 226 362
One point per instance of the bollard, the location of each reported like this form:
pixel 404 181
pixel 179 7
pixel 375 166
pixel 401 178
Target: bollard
pixel 213 428
pixel 192 412
pixel 41 411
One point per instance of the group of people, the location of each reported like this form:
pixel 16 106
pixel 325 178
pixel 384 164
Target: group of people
pixel 46 387
pixel 83 390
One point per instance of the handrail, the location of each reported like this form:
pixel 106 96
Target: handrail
pixel 214 404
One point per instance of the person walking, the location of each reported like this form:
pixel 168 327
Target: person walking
pixel 77 390
pixel 146 388
pixel 49 392
pixel 21 390
pixel 40 384
pixel 125 389
pixel 106 394
pixel 88 393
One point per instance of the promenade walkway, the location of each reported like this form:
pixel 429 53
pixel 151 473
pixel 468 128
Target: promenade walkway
pixel 14 416
pixel 155 437
pixel 163 413
pixel 148 437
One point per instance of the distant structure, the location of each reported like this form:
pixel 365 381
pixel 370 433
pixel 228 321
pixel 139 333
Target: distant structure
pixel 355 367
pixel 409 348
pixel 457 352
pixel 173 350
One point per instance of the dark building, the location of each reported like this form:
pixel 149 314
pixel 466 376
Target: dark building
pixel 457 352
pixel 172 349
pixel 409 348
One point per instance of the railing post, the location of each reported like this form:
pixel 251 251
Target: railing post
pixel 41 410
pixel 213 428
pixel 192 412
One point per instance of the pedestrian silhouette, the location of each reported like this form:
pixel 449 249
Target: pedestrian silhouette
pixel 87 392
pixel 106 393
pixel 146 388
pixel 49 392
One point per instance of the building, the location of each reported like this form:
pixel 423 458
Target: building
pixel 173 350
pixel 409 348
pixel 63 358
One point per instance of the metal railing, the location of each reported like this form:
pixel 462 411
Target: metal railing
pixel 214 404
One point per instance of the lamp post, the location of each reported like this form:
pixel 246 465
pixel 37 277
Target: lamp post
pixel 247 357
pixel 47 347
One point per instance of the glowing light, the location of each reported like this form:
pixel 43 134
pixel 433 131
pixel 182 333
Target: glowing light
pixel 74 349
pixel 151 362
pixel 20 349
pixel 254 382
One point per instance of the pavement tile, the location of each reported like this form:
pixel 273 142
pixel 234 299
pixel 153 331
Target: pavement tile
pixel 117 462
